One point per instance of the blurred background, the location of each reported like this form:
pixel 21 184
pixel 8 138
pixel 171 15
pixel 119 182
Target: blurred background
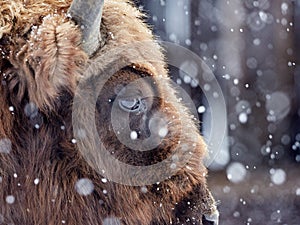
pixel 252 47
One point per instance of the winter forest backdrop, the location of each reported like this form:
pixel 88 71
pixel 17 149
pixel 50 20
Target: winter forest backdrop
pixel 252 48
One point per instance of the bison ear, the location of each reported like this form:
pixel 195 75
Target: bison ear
pixel 87 14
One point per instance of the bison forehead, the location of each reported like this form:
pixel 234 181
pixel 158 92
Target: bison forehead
pixel 45 46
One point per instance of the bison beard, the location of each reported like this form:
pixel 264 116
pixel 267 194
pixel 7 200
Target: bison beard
pixel 41 64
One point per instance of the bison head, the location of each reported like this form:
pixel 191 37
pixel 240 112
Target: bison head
pixel 91 129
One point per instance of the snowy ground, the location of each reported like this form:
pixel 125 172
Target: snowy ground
pixel 258 199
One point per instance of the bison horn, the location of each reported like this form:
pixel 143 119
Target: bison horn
pixel 87 14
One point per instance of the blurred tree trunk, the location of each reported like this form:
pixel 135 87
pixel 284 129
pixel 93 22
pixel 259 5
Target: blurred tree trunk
pixel 284 66
pixel 231 50
pixel 296 117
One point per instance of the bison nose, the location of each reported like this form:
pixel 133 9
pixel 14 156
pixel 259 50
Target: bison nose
pixel 139 126
pixel 212 219
pixel 151 126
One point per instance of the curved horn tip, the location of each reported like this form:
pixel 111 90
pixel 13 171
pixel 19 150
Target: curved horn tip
pixel 87 14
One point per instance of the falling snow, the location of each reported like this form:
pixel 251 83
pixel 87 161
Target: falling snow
pixel 31 110
pixel 278 176
pixel 104 180
pixel 36 181
pixel 133 135
pixel 145 190
pixel 278 105
pixel 162 132
pixel 84 186
pixel 201 109
pixel 5 146
pixel 10 199
pixel 236 172
pixel 243 118
pixel 111 221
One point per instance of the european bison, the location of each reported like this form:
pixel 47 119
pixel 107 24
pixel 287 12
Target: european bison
pixel 91 130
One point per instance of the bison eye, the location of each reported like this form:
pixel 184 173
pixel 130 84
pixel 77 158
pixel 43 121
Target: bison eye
pixel 133 105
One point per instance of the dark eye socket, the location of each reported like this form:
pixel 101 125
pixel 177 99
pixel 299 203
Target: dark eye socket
pixel 133 105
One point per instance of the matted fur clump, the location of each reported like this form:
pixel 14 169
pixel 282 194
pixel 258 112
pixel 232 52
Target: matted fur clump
pixel 45 177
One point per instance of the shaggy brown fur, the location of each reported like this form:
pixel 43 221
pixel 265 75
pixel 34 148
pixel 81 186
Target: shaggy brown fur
pixel 41 65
